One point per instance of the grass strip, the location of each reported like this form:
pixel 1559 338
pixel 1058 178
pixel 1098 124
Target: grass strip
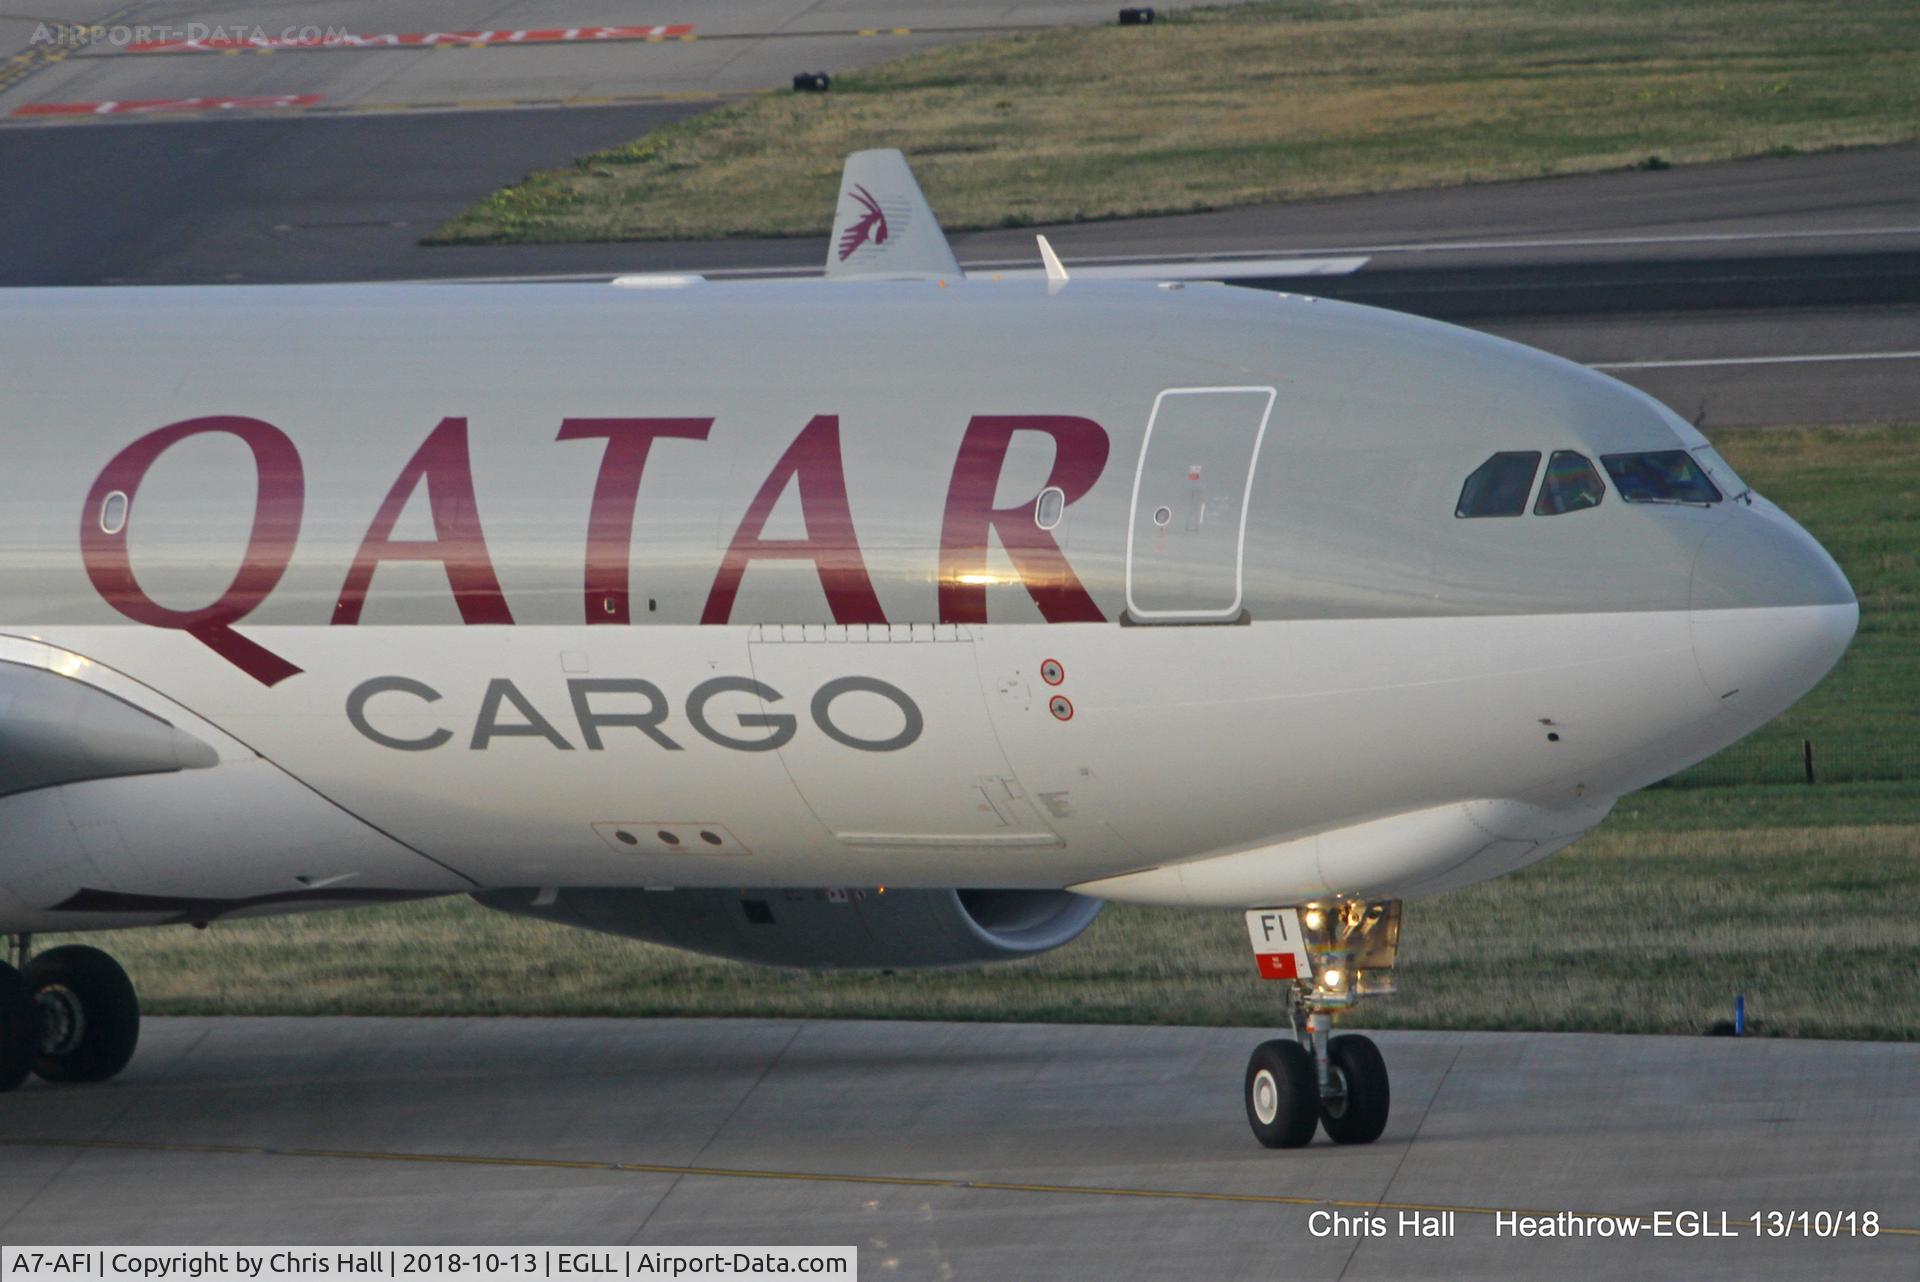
pixel 1256 103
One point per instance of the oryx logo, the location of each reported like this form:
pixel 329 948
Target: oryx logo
pixel 871 225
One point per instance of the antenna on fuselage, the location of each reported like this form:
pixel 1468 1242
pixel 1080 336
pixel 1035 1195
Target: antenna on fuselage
pixel 1056 273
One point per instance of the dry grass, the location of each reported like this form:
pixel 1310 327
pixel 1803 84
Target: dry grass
pixel 1629 932
pixel 1258 103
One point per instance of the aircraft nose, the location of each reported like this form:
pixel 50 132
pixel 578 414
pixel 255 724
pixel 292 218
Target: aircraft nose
pixel 1771 611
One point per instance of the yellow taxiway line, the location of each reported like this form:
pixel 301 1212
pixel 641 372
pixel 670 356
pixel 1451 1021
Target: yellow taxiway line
pixel 820 1177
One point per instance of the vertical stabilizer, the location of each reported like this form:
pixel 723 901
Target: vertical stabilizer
pixel 883 226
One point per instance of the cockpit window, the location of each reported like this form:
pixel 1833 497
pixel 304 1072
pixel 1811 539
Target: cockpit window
pixel 1572 484
pixel 1499 486
pixel 1720 473
pixel 1661 476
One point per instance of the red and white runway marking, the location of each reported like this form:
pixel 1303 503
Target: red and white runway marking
pixel 153 106
pixel 218 41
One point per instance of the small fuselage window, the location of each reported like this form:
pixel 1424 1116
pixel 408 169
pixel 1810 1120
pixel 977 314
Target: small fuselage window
pixel 1572 483
pixel 1049 507
pixel 1660 476
pixel 1499 486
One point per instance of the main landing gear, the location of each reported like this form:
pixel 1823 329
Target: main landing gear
pixel 1330 956
pixel 68 1015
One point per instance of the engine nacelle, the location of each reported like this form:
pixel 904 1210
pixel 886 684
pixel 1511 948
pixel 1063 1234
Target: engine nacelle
pixel 822 929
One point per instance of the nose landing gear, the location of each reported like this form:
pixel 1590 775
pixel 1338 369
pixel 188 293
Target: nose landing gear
pixel 68 1015
pixel 1330 957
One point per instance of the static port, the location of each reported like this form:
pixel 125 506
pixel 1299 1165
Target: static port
pixel 626 838
pixel 711 838
pixel 668 837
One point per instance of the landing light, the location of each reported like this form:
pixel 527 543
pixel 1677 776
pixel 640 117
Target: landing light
pixel 1315 919
pixel 1333 978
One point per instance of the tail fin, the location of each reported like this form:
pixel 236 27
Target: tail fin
pixel 883 226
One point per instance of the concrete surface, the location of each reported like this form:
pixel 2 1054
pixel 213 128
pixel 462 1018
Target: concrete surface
pixel 732 47
pixel 962 1150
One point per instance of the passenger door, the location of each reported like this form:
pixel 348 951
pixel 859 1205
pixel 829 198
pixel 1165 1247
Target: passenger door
pixel 1187 530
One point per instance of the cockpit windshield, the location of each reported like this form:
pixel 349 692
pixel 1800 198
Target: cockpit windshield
pixel 1660 476
pixel 1721 472
pixel 1499 486
pixel 1572 485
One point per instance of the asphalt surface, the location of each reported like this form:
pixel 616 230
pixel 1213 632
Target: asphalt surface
pixel 963 1150
pixel 306 199
pixel 290 199
pixel 237 58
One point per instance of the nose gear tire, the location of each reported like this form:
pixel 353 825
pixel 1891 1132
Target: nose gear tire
pixel 1282 1094
pixel 1359 1114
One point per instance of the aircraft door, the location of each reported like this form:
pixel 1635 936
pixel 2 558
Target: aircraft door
pixel 1187 530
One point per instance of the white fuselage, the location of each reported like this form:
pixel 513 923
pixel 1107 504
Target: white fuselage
pixel 1375 710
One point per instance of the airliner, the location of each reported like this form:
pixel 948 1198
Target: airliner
pixel 894 618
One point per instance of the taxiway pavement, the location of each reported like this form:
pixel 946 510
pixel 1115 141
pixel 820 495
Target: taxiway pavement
pixel 966 1150
pixel 87 61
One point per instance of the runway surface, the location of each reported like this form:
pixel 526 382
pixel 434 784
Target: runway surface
pixel 188 57
pixel 963 1151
